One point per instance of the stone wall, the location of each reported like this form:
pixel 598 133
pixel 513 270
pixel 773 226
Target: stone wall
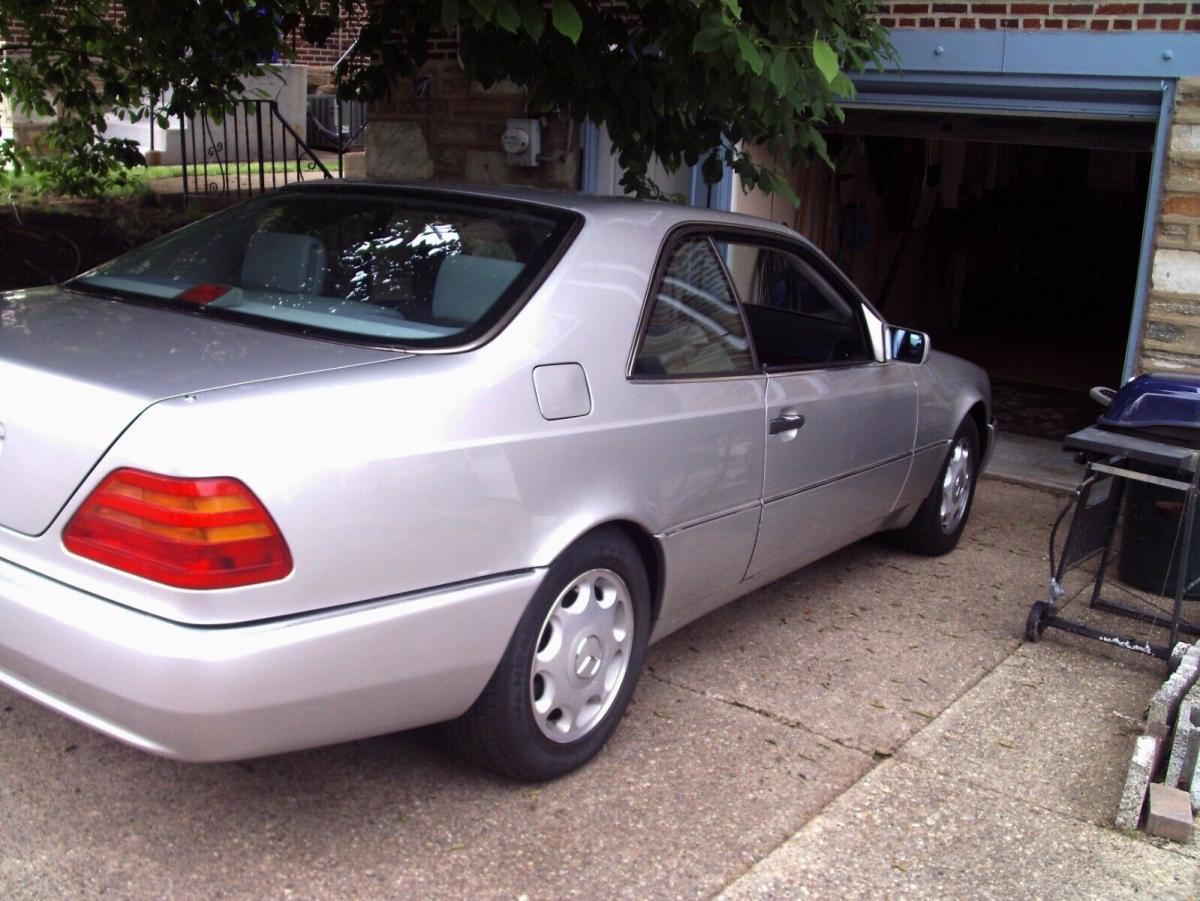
pixel 445 126
pixel 1171 332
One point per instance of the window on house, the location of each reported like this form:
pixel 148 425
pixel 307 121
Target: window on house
pixel 694 327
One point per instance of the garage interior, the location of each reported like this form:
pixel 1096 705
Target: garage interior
pixel 1013 241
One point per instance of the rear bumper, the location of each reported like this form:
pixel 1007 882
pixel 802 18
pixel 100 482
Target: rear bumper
pixel 225 693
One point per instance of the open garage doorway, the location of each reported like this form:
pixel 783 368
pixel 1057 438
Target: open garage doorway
pixel 1013 241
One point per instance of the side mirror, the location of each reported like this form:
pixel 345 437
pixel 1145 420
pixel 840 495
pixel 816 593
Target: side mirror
pixel 908 345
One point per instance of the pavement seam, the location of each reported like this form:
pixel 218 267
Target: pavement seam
pixel 777 718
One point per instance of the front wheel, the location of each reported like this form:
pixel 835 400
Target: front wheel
pixel 569 670
pixel 940 520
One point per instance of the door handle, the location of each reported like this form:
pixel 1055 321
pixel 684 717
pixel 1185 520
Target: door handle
pixel 788 423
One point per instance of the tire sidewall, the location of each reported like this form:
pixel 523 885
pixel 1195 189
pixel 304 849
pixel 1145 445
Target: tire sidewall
pixel 542 757
pixel 968 431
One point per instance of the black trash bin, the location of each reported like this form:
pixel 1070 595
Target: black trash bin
pixel 1161 407
pixel 1152 538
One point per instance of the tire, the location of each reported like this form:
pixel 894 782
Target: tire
pixel 1035 622
pixel 570 668
pixel 935 529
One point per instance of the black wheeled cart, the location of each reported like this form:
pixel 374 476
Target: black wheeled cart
pixel 1116 461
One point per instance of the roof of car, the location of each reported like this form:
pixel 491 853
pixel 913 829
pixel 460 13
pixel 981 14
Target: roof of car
pixel 592 206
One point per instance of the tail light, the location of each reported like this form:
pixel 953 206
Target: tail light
pixel 189 533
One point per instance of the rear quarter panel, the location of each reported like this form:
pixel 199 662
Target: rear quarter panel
pixel 429 470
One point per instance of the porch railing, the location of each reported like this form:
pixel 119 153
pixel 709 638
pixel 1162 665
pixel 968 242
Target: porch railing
pixel 243 151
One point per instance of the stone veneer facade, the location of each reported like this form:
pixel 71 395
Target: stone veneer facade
pixel 1171 330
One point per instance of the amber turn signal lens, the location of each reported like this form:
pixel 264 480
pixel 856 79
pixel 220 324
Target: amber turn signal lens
pixel 188 533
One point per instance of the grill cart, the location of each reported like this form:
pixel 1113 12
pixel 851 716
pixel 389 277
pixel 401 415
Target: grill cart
pixel 1142 455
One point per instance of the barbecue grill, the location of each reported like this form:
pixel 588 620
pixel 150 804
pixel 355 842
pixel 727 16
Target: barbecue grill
pixel 1143 456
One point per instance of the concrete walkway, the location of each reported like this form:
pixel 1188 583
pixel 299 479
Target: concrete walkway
pixel 871 726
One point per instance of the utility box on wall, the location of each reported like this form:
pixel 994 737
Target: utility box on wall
pixel 522 141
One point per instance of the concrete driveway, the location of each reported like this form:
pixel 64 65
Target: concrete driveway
pixel 870 726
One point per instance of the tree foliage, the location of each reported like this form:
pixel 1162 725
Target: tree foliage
pixel 684 81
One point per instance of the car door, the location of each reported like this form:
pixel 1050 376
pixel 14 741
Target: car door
pixel 839 423
pixel 694 377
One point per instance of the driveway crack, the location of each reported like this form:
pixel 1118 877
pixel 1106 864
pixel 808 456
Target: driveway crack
pixel 776 718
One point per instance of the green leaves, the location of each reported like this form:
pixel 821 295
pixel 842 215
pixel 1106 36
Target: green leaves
pixel 749 53
pixel 825 60
pixel 507 16
pixel 533 16
pixel 566 19
pixel 450 12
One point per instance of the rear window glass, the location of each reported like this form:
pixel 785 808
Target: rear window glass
pixel 412 270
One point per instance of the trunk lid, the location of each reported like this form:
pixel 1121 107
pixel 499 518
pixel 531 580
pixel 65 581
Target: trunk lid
pixel 76 370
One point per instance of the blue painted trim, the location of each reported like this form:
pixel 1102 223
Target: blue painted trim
pixel 1146 254
pixel 589 164
pixel 1090 97
pixel 1139 54
pixel 715 197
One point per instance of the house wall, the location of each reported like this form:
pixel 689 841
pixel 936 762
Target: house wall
pixel 1171 333
pixel 1139 15
pixel 444 126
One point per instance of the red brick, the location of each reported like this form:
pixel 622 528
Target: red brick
pixel 1117 9
pixel 1169 9
pixel 1192 25
pixel 1031 9
pixel 1073 24
pixel 1053 23
pixel 946 23
pixel 927 23
pixel 1099 25
pixel 967 24
pixel 887 22
pixel 1146 24
pixel 998 8
pixel 1009 23
pixel 1169 24
pixel 1073 9
pixel 910 8
pixel 989 24
pixel 1029 24
pixel 907 23
pixel 1122 24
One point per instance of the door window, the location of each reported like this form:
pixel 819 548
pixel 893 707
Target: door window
pixel 693 327
pixel 796 317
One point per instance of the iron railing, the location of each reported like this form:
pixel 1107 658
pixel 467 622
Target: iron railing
pixel 335 124
pixel 245 150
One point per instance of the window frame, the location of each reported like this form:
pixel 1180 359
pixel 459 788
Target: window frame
pixel 671 243
pixel 834 279
pixel 716 232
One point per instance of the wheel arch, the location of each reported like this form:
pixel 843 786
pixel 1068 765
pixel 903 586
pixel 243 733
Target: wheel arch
pixel 649 550
pixel 978 414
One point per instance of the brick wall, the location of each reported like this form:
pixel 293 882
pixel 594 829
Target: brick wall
pixel 1143 15
pixel 1171 333
pixel 448 127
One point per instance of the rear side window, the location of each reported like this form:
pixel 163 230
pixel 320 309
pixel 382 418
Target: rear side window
pixel 414 269
pixel 796 317
pixel 693 326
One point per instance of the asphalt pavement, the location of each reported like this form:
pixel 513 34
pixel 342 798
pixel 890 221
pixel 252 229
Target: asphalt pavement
pixel 871 726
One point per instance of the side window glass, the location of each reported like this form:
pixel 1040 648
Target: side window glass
pixel 694 327
pixel 796 318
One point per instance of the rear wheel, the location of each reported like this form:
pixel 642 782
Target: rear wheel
pixel 940 520
pixel 570 668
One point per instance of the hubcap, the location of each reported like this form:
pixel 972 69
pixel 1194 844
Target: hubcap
pixel 582 655
pixel 956 486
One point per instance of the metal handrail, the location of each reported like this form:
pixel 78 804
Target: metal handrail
pixel 224 151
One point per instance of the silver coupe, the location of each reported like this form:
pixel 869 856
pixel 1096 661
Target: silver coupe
pixel 353 458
